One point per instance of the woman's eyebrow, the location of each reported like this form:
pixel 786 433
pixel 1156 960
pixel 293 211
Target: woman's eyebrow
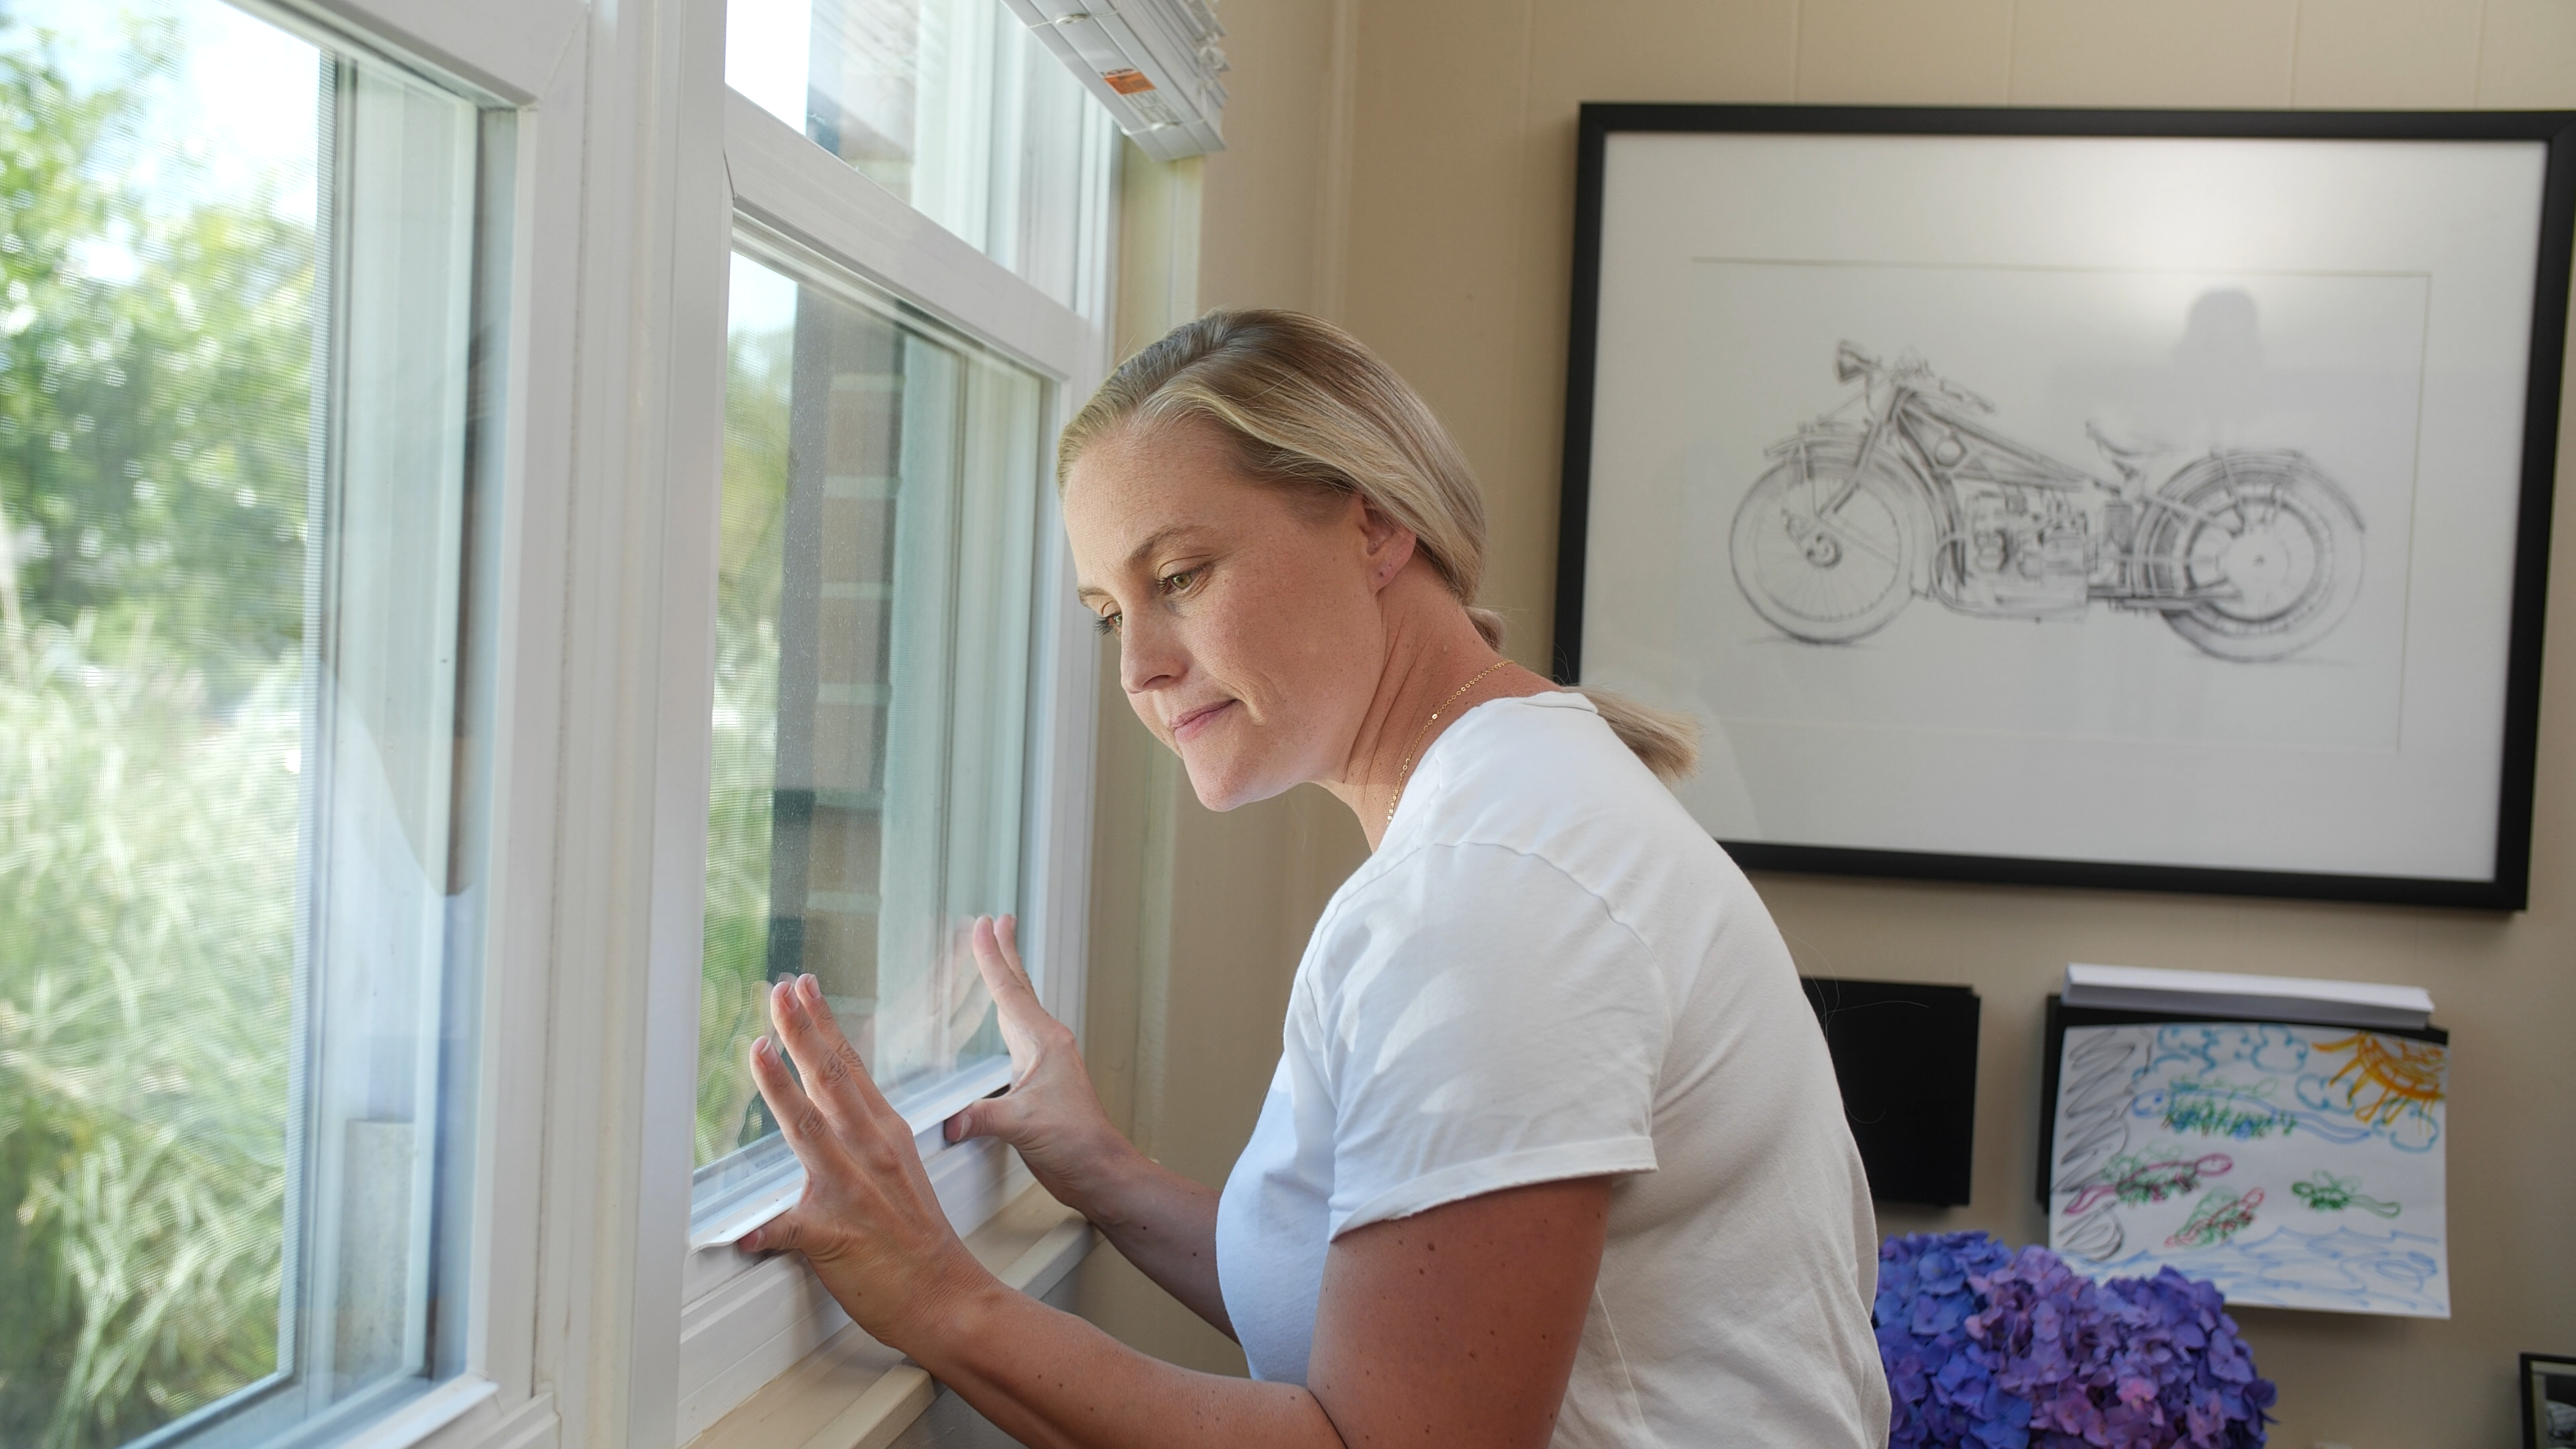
pixel 1144 552
pixel 1137 557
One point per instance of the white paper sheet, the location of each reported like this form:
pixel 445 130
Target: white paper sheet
pixel 2292 1166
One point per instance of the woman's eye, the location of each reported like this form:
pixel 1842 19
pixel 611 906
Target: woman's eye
pixel 1173 584
pixel 1107 624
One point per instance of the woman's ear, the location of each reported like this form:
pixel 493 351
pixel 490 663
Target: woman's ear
pixel 1389 544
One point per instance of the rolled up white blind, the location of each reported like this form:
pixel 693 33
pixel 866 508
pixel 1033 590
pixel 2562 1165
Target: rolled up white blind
pixel 1154 63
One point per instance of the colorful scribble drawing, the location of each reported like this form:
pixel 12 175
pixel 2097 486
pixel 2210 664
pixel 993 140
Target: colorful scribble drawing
pixel 2389 1084
pixel 2291 1164
pixel 2220 1109
pixel 2327 1193
pixel 2216 1218
pixel 2164 1172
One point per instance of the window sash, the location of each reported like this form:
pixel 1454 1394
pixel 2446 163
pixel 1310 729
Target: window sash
pixel 955 739
pixel 508 58
pixel 956 107
pixel 742 1320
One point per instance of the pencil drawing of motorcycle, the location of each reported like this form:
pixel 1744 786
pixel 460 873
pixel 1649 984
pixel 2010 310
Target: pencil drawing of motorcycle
pixel 2251 554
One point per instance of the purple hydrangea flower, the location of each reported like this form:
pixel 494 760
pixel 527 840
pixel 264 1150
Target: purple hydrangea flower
pixel 1988 1348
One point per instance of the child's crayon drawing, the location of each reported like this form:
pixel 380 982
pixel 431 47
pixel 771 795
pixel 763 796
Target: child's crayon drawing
pixel 2274 1160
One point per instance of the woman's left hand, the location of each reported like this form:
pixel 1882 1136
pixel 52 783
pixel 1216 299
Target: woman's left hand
pixel 868 1221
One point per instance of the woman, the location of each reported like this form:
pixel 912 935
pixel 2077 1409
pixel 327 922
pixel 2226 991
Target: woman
pixel 1554 1152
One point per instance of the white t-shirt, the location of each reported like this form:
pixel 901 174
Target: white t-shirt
pixel 1548 970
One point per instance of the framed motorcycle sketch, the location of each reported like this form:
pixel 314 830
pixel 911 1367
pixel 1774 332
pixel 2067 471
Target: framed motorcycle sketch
pixel 2144 499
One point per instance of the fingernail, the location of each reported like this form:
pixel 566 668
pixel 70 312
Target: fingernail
pixel 812 988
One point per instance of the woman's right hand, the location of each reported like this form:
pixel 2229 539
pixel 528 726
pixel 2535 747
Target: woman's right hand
pixel 1050 1113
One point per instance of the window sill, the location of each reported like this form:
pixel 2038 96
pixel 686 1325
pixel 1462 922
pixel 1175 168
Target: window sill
pixel 855 1393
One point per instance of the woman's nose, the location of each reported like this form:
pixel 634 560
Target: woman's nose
pixel 1148 656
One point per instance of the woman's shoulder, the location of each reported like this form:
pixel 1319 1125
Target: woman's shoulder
pixel 1531 804
pixel 1545 775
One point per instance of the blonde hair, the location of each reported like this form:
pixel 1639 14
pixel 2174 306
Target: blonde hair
pixel 1307 407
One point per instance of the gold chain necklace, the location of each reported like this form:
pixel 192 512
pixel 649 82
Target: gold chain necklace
pixel 1404 772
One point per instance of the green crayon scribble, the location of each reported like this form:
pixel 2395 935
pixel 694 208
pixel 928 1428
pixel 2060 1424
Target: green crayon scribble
pixel 2216 1218
pixel 2165 1171
pixel 2326 1193
pixel 2222 1109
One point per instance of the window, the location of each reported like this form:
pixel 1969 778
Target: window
pixel 952 106
pixel 895 734
pixel 872 669
pixel 365 380
pixel 244 488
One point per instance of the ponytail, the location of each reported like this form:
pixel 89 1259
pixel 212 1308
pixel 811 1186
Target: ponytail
pixel 1667 741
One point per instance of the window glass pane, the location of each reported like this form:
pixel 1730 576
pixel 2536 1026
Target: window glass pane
pixel 873 635
pixel 235 875
pixel 953 106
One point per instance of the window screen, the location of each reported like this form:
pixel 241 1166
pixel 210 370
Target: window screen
pixel 873 636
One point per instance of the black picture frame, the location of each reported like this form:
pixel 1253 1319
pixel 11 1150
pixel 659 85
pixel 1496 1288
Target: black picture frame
pixel 2507 889
pixel 2545 1378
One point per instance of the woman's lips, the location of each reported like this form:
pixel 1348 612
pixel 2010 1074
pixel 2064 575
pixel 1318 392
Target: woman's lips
pixel 1188 725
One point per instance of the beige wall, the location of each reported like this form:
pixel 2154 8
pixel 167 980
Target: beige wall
pixel 1407 168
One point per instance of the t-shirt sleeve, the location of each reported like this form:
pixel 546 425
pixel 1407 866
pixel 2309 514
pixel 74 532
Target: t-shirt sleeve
pixel 1488 1024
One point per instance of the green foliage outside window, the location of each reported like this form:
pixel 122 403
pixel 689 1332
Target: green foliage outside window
pixel 156 444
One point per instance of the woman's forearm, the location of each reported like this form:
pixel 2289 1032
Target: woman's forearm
pixel 1162 1222
pixel 1051 1379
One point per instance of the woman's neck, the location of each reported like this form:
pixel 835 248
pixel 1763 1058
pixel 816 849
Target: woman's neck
pixel 1437 668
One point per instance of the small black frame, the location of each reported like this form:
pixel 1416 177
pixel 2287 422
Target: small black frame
pixel 2508 888
pixel 1905 1057
pixel 2550 1378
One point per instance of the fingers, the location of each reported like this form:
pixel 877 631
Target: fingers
pixel 1023 1017
pixel 987 1118
pixel 997 956
pixel 785 1095
pixel 834 1076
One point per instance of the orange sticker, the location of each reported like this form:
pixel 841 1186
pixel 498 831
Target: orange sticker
pixel 1127 82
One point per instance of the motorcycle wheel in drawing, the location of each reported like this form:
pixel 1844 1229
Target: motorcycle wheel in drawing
pixel 1826 579
pixel 2266 547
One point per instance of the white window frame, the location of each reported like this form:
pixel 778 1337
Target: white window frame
pixel 632 161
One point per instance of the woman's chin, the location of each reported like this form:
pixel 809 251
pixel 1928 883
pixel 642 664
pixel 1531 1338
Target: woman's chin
pixel 1223 784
